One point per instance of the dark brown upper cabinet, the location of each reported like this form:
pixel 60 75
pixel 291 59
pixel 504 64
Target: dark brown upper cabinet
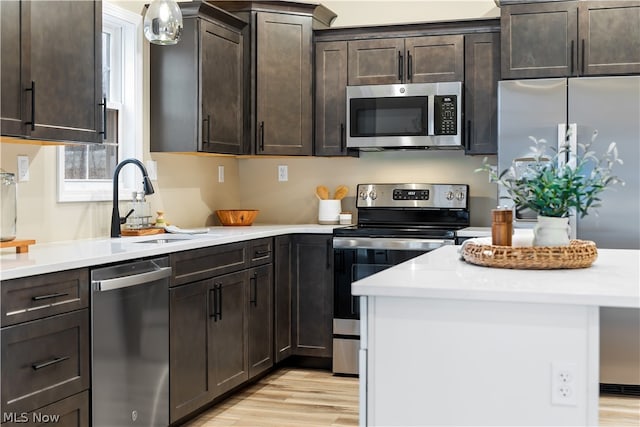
pixel 482 73
pixel 573 38
pixel 197 85
pixel 280 53
pixel 330 99
pixel 406 60
pixel 52 70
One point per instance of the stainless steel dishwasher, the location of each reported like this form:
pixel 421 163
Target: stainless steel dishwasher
pixel 130 344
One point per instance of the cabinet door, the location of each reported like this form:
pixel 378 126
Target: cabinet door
pixel 284 84
pixel 283 332
pixel 330 99
pixel 539 40
pixel 482 72
pixel 189 311
pixel 433 59
pixel 376 62
pixel 228 332
pixel 313 307
pixel 44 361
pixel 260 319
pixel 609 37
pixel 64 60
pixel 12 94
pixel 222 99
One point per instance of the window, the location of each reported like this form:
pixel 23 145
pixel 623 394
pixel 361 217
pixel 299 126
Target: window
pixel 85 171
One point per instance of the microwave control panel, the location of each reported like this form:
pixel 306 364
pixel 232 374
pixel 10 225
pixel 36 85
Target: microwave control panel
pixel 445 118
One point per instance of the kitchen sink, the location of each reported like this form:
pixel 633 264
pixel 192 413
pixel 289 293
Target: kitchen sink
pixel 166 239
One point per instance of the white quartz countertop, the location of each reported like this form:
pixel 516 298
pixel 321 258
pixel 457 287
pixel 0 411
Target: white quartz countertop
pixel 59 256
pixel 613 280
pixel 474 232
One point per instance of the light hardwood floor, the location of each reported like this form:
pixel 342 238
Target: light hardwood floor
pixel 296 397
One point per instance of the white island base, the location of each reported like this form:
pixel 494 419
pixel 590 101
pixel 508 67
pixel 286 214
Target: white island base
pixel 447 343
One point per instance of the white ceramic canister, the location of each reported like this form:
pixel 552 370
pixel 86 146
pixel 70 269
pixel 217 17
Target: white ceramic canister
pixel 329 211
pixel 8 206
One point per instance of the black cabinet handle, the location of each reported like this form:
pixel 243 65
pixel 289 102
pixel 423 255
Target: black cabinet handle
pixel 261 136
pixel 208 120
pixel 400 66
pixel 103 104
pixel 213 303
pixel 571 56
pixel 254 289
pixel 219 301
pixel 258 254
pixel 583 57
pixel 409 65
pixel 342 138
pixel 32 89
pixel 53 361
pixel 41 297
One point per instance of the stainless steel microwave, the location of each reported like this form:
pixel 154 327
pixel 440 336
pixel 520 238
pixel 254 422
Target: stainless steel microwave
pixel 415 115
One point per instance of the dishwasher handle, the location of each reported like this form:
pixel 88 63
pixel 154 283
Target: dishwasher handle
pixel 132 280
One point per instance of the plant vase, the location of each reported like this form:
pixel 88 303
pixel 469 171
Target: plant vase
pixel 551 231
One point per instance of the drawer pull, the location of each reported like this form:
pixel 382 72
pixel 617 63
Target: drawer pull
pixel 261 253
pixel 49 362
pixel 41 297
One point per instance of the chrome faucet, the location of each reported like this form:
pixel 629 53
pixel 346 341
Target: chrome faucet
pixel 116 221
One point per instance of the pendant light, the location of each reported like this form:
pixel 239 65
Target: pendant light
pixel 163 22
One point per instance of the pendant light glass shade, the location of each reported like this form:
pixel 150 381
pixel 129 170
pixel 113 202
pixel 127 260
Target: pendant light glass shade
pixel 163 22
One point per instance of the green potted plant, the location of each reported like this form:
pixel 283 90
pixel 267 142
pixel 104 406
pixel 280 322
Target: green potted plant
pixel 557 182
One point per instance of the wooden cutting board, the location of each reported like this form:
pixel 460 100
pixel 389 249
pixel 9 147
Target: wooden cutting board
pixel 142 231
pixel 21 245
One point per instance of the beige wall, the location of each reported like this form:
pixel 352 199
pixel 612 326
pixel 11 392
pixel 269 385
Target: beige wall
pixel 187 187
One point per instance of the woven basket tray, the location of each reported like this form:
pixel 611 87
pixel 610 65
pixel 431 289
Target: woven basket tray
pixel 579 254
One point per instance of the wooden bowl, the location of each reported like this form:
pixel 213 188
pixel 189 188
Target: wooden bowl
pixel 237 216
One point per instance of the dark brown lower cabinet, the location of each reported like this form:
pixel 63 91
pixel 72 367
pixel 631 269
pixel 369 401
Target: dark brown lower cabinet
pixel 283 299
pixel 70 412
pixel 260 319
pixel 312 277
pixel 189 387
pixel 44 361
pixel 228 332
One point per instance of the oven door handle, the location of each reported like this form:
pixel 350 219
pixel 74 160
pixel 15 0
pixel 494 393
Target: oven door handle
pixel 390 243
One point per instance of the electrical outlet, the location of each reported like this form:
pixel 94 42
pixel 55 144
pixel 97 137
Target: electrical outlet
pixel 221 173
pixel 283 173
pixel 23 168
pixel 563 384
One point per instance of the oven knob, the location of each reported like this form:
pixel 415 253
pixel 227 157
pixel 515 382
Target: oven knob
pixel 373 195
pixel 449 195
pixel 460 195
pixel 363 195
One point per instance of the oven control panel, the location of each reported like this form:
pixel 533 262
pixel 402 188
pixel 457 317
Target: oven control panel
pixel 434 196
pixel 403 194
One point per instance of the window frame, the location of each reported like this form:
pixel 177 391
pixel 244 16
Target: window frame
pixel 126 26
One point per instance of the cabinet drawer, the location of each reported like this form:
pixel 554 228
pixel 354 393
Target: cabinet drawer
pixel 35 297
pixel 200 264
pixel 261 251
pixel 44 361
pixel 70 412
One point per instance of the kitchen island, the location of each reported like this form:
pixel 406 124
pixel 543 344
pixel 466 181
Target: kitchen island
pixel 444 342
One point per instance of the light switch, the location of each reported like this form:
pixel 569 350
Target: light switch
pixel 220 173
pixel 23 168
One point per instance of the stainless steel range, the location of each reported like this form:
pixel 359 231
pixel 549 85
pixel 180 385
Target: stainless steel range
pixel 396 222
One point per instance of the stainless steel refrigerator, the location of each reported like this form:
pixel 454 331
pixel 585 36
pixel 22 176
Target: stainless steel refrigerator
pixel 543 108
